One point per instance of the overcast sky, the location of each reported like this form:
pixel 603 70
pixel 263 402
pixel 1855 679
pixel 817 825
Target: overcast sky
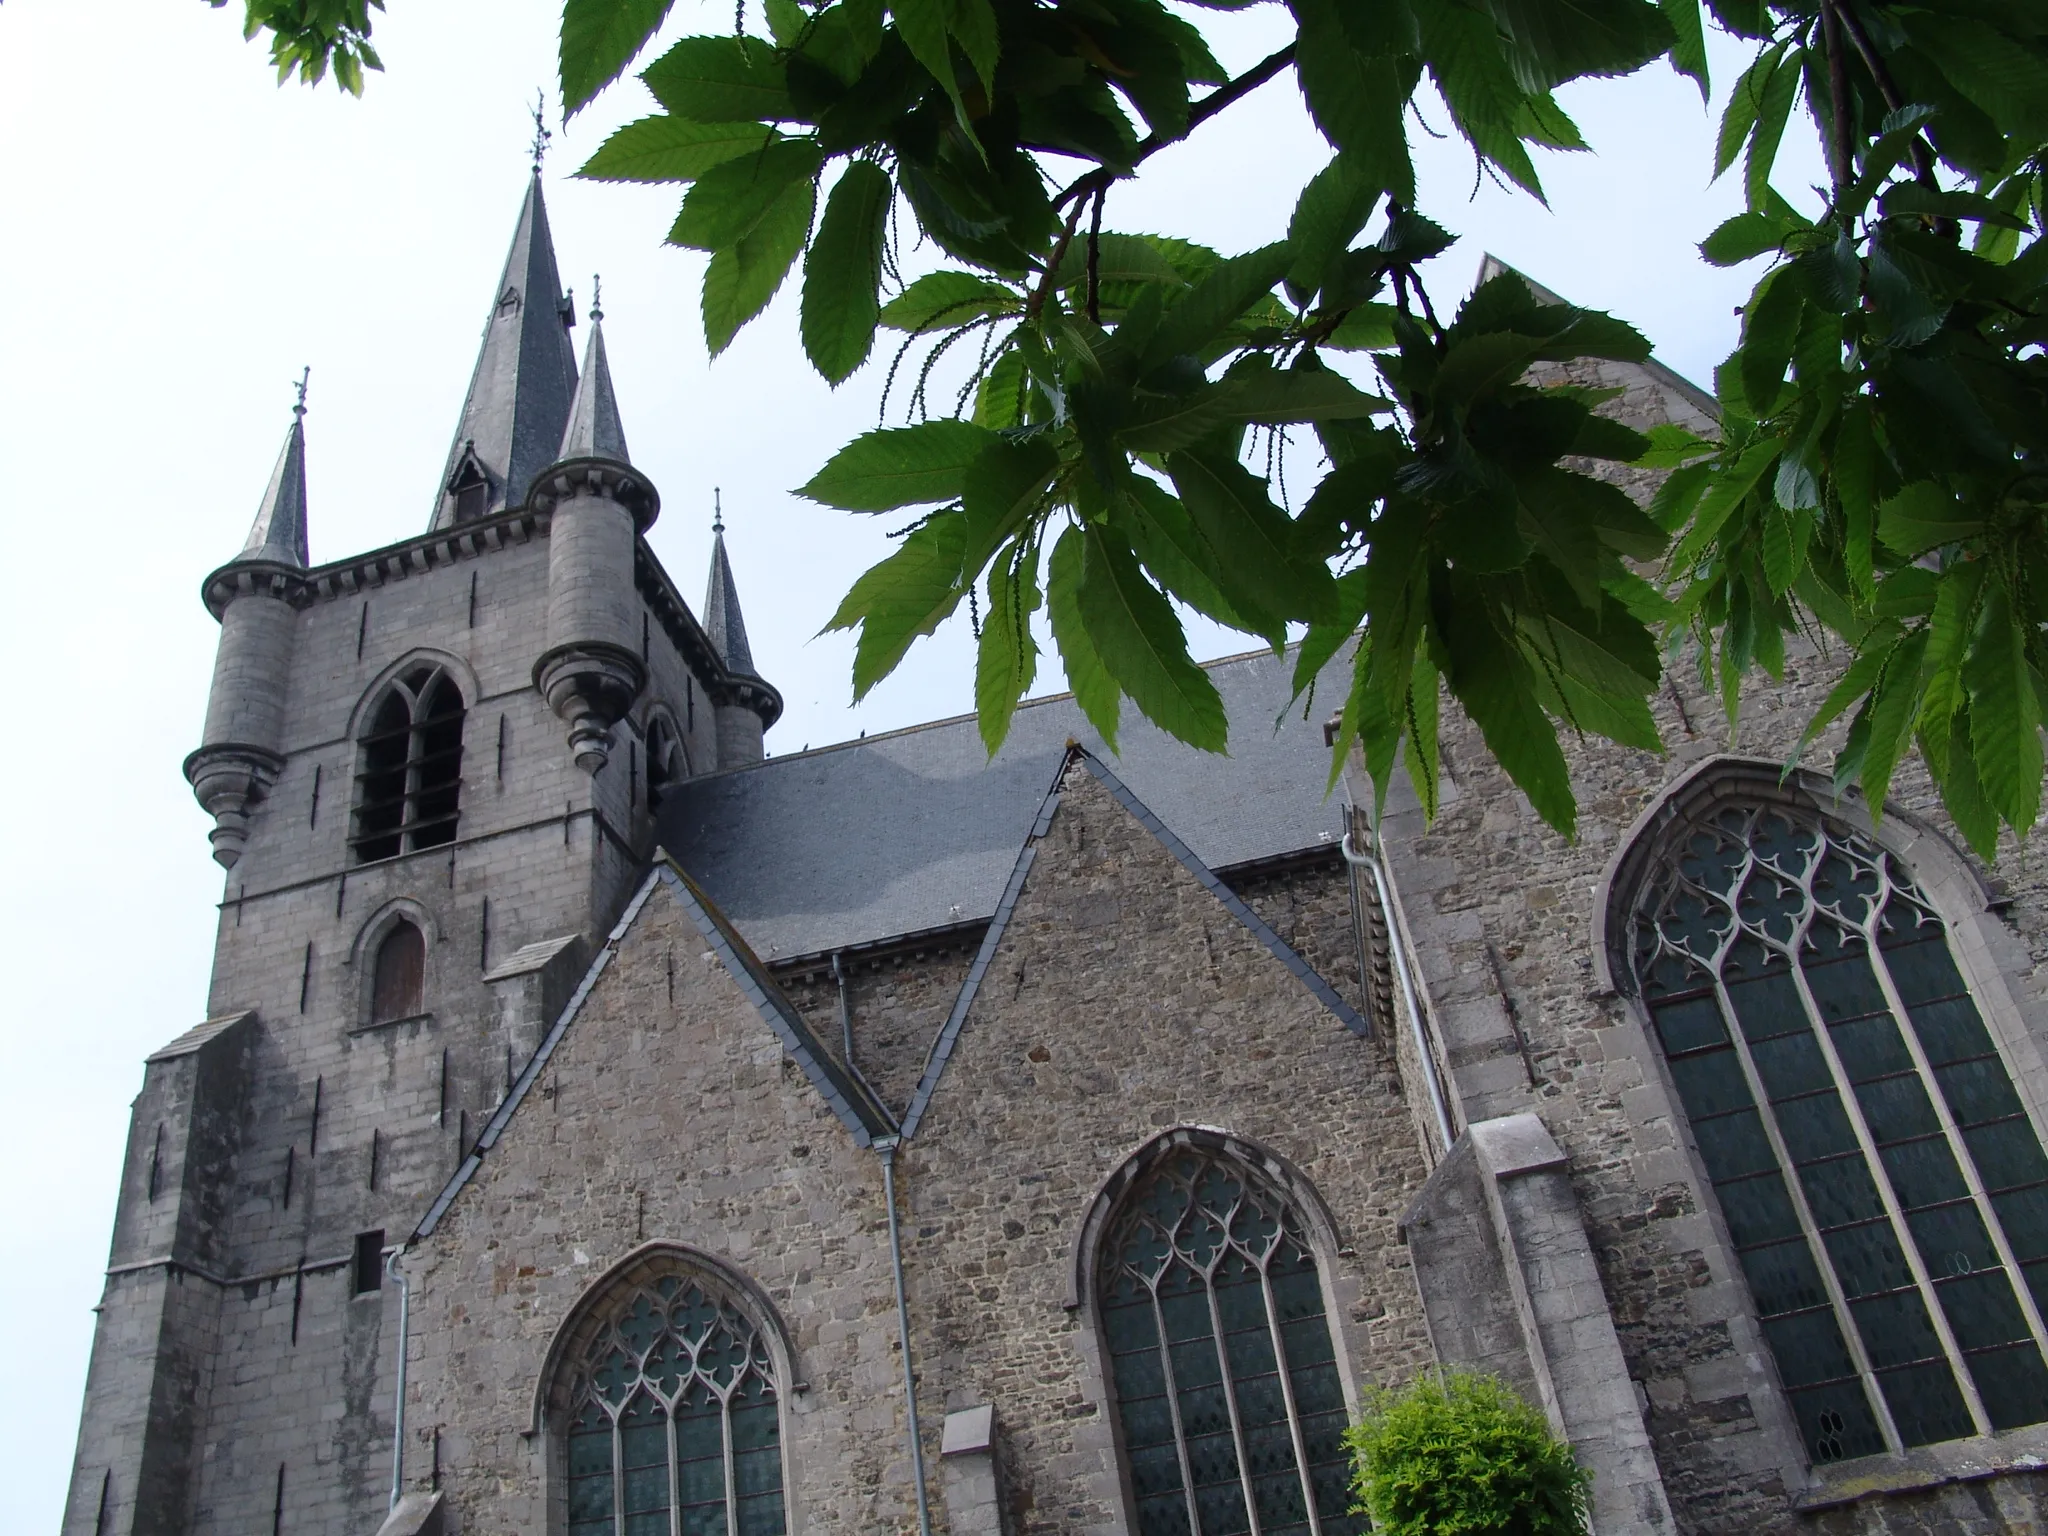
pixel 181 237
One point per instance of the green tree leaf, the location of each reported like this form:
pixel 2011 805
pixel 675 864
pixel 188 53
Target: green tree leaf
pixel 907 595
pixel 1143 648
pixel 843 272
pixel 727 201
pixel 1688 43
pixel 900 467
pixel 720 80
pixel 1094 689
pixel 1923 516
pixel 1357 101
pixel 1331 210
pixel 659 149
pixel 1494 681
pixel 742 278
pixel 1254 563
pixel 599 39
pixel 1006 659
pixel 1738 118
pixel 1770 328
pixel 941 301
pixel 1773 110
pixel 2005 713
pixel 1002 489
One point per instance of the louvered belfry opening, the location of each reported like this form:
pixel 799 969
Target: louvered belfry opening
pixel 1225 1371
pixel 1883 1185
pixel 399 986
pixel 409 782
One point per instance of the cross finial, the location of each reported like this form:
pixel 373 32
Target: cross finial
pixel 596 297
pixel 540 129
pixel 717 513
pixel 299 405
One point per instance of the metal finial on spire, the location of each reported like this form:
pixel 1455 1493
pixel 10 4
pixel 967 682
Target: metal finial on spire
pixel 299 406
pixel 541 136
pixel 717 512
pixel 596 297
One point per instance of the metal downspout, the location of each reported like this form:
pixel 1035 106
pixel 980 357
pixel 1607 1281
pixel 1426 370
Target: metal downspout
pixel 887 1147
pixel 1400 958
pixel 398 1404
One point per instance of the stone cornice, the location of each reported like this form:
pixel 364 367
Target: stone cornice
pixel 440 547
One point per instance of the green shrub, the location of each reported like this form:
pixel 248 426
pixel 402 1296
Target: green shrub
pixel 1464 1456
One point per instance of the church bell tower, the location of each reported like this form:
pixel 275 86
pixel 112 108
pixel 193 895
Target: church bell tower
pixel 432 770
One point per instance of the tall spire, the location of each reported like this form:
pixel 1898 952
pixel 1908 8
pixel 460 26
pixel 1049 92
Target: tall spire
pixel 722 621
pixel 278 536
pixel 520 394
pixel 594 430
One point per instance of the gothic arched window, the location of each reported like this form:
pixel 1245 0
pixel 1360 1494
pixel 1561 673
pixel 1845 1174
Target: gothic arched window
pixel 1882 1184
pixel 673 1415
pixel 1221 1357
pixel 398 982
pixel 409 775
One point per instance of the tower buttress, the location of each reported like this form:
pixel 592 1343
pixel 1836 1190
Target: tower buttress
pixel 241 749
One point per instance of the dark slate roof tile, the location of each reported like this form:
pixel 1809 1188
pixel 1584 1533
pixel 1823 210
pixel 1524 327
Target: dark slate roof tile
pixel 918 829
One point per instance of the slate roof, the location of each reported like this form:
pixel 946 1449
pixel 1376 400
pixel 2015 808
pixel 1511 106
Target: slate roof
pixel 916 830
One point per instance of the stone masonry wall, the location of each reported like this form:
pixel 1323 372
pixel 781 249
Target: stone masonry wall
pixel 1123 1000
pixel 1502 909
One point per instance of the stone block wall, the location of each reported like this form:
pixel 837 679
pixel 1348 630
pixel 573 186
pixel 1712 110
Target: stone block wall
pixel 1123 1000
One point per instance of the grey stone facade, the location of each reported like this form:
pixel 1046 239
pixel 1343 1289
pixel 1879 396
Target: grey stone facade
pixel 708 1035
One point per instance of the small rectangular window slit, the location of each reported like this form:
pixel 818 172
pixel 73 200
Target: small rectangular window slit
pixel 313 1127
pixel 362 634
pixel 368 1270
pixel 483 937
pixel 306 976
pixel 313 811
pixel 472 599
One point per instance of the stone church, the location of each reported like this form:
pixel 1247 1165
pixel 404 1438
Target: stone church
pixel 603 1128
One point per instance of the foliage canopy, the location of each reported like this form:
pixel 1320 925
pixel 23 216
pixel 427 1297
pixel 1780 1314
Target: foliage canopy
pixel 1877 483
pixel 1465 1456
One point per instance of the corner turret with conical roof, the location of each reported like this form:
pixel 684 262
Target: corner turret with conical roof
pixel 253 596
pixel 750 705
pixel 593 668
pixel 520 395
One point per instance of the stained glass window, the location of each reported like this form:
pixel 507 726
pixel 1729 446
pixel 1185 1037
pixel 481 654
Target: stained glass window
pixel 1224 1370
pixel 1884 1189
pixel 674 1425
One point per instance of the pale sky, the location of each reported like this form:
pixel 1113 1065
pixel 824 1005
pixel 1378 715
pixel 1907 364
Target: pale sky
pixel 181 237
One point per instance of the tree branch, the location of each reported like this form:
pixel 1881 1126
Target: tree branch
pixel 1223 96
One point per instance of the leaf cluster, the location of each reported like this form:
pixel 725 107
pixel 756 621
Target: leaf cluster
pixel 309 37
pixel 1464 1456
pixel 1873 479
pixel 1880 481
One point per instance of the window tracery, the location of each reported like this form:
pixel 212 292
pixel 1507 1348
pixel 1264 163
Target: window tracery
pixel 1221 1357
pixel 1885 1191
pixel 674 1419
pixel 409 773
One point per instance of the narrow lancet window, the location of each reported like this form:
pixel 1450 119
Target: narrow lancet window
pixel 1221 1357
pixel 398 985
pixel 1885 1190
pixel 673 1417
pixel 409 778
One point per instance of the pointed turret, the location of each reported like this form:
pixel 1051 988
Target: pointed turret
pixel 722 620
pixel 254 596
pixel 594 430
pixel 746 704
pixel 597 506
pixel 520 395
pixel 278 536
